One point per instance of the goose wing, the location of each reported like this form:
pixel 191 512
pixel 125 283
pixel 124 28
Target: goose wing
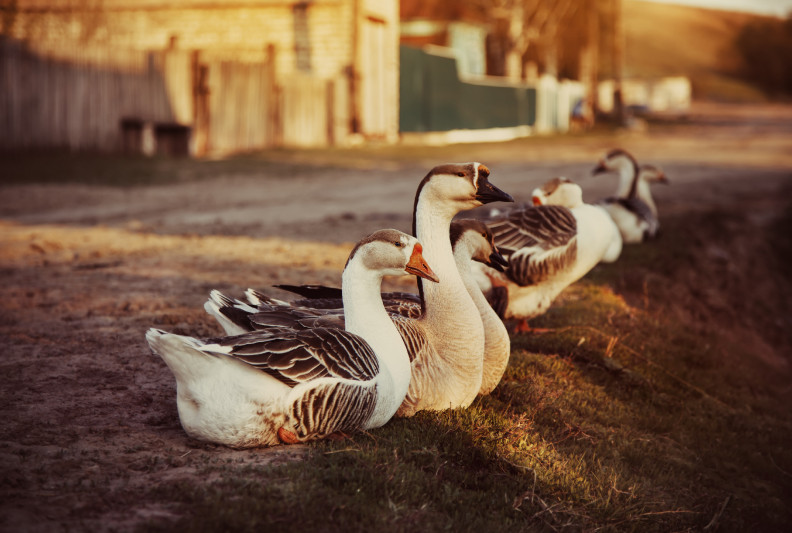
pixel 268 312
pixel 295 318
pixel 331 407
pixel 296 356
pixel 411 333
pixel 262 313
pixel 538 242
pixel 323 297
pixel 635 205
pixel 642 212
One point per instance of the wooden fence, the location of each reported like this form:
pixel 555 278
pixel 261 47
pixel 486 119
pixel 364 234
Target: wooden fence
pixel 78 97
pixel 306 111
pixel 241 112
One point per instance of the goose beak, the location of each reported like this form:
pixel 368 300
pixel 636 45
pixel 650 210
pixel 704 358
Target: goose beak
pixel 487 192
pixel 418 267
pixel 536 200
pixel 662 178
pixel 497 261
pixel 599 169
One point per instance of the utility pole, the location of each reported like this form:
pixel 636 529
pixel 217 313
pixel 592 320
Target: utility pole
pixel 618 60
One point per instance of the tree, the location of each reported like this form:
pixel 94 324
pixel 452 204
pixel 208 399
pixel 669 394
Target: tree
pixel 766 46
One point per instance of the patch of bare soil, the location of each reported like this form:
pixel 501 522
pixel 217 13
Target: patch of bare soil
pixel 89 415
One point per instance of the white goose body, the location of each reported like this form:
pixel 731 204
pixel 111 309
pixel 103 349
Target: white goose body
pixel 549 247
pixel 291 385
pixel 632 207
pixel 446 343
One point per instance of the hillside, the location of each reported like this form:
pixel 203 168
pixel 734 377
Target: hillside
pixel 666 40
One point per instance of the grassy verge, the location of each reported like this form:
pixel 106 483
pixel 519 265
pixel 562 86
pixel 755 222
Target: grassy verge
pixel 636 412
pixel 114 170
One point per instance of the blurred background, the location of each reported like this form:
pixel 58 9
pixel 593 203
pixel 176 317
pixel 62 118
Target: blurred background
pixel 202 78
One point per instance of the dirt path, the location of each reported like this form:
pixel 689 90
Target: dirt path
pixel 89 415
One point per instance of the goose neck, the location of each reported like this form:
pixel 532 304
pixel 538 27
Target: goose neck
pixel 643 191
pixel 627 179
pixel 363 308
pixel 462 256
pixel 365 316
pixel 432 227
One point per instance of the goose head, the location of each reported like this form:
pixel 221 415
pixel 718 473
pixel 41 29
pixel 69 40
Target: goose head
pixel 617 160
pixel 558 191
pixel 652 174
pixel 478 239
pixel 459 187
pixel 391 252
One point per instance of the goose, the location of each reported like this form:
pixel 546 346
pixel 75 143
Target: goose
pixel 549 246
pixel 446 342
pixel 471 240
pixel 632 207
pixel 286 385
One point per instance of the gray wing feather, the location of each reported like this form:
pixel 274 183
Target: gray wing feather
pixel 332 407
pixel 546 226
pixel 296 356
pixel 538 242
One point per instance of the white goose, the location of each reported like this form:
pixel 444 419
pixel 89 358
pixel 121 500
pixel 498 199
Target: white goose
pixel 293 385
pixel 471 240
pixel 446 343
pixel 632 207
pixel 548 247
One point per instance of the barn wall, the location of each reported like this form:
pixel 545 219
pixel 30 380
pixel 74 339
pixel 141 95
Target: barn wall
pixel 296 40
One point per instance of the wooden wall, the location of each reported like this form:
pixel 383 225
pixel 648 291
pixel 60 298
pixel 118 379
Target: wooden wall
pixel 76 97
pixel 242 75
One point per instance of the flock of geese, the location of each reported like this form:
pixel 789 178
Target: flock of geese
pixel 340 360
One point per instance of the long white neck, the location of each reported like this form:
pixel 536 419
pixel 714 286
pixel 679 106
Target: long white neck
pixel 450 318
pixel 497 346
pixel 626 176
pixel 365 315
pixel 643 191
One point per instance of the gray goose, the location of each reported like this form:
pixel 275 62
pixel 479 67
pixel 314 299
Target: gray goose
pixel 632 207
pixel 548 248
pixel 287 385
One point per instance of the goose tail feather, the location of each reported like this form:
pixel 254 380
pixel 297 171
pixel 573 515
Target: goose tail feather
pixel 230 314
pixel 183 355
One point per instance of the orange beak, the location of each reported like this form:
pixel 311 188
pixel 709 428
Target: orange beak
pixel 417 265
pixel 537 200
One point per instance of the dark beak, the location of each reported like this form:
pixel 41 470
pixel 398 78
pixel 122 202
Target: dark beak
pixel 497 261
pixel 663 179
pixel 599 169
pixel 487 193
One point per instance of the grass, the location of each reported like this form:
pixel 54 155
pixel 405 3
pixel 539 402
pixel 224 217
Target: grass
pixel 58 167
pixel 629 415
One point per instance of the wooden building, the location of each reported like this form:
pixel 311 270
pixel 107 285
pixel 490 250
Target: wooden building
pixel 228 76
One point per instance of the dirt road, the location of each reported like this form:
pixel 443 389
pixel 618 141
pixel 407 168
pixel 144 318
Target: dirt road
pixel 89 419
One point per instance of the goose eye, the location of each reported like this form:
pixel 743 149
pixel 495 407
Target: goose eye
pixel 461 174
pixel 398 244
